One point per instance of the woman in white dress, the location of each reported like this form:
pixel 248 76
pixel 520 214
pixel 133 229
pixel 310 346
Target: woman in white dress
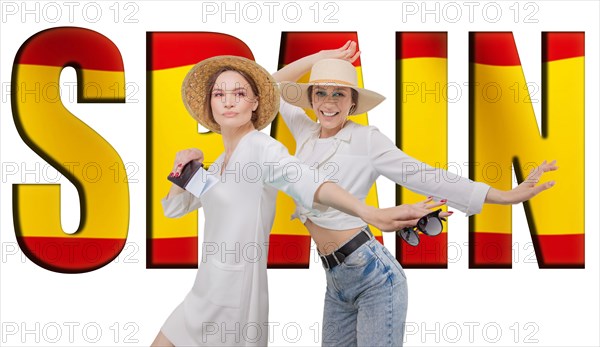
pixel 228 304
pixel 366 297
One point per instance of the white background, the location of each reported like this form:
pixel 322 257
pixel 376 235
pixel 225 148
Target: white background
pixel 125 304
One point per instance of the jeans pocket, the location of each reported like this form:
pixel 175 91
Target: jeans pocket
pixel 393 260
pixel 359 258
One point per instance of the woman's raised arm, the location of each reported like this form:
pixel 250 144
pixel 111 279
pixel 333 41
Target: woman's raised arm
pixel 293 71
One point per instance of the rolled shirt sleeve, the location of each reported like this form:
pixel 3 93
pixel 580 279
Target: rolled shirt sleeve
pixel 388 160
pixel 286 173
pixel 177 205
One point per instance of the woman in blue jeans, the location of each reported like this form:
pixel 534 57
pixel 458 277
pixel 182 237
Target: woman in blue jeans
pixel 366 297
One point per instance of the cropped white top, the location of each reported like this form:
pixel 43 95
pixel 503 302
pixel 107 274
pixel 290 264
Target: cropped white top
pixel 358 155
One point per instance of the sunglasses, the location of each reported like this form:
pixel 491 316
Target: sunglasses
pixel 430 225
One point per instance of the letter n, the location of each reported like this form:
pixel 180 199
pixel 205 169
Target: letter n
pixel 504 133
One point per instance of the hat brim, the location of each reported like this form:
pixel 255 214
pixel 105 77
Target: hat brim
pixel 195 88
pixel 297 94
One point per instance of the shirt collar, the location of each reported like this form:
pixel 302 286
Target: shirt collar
pixel 345 134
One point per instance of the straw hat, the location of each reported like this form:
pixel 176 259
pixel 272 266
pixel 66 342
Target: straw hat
pixel 336 72
pixel 195 89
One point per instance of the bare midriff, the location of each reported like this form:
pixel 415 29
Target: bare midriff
pixel 328 240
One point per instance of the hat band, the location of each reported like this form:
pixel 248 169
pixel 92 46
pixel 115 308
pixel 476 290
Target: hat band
pixel 333 81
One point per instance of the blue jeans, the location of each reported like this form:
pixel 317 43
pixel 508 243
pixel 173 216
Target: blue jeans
pixel 366 299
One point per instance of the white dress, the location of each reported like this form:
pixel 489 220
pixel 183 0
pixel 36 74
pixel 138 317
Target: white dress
pixel 228 304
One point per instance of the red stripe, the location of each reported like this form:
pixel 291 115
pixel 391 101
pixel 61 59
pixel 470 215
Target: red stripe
pixel 70 255
pixel 289 251
pixel 497 48
pixel 560 45
pixel 177 252
pixel 296 45
pixel 490 250
pixel 169 50
pixel 285 251
pixel 421 45
pixel 431 253
pixel 71 46
pixel 560 251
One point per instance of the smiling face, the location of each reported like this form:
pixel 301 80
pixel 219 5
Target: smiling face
pixel 331 104
pixel 232 101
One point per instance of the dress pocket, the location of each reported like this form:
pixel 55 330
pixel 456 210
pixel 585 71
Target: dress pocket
pixel 226 283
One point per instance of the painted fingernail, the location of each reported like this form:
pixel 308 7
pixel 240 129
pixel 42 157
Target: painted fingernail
pixel 177 174
pixel 430 197
pixel 443 200
pixel 171 174
pixel 180 165
pixel 451 212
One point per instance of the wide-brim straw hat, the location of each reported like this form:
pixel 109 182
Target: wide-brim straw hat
pixel 331 72
pixel 195 89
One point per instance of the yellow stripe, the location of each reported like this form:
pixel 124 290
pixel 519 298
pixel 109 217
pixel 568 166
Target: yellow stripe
pixel 424 110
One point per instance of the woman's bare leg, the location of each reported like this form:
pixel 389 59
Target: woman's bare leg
pixel 161 341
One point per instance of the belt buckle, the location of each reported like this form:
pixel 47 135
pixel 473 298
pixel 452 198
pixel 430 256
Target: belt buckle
pixel 325 262
pixel 367 231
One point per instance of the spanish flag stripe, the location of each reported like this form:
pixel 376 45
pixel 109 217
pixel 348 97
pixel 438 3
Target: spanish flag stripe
pixel 562 45
pixel 490 250
pixel 431 253
pixel 176 49
pixel 560 250
pixel 289 251
pixel 173 252
pixel 421 45
pixel 69 255
pixel 50 48
pixel 496 48
pixel 495 250
pixel 298 45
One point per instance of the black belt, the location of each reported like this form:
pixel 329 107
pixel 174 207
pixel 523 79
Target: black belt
pixel 337 257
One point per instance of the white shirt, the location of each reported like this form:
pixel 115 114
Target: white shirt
pixel 230 292
pixel 359 155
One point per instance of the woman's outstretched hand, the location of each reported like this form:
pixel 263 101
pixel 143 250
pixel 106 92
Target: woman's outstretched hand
pixel 296 69
pixel 346 52
pixel 526 190
pixel 406 215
